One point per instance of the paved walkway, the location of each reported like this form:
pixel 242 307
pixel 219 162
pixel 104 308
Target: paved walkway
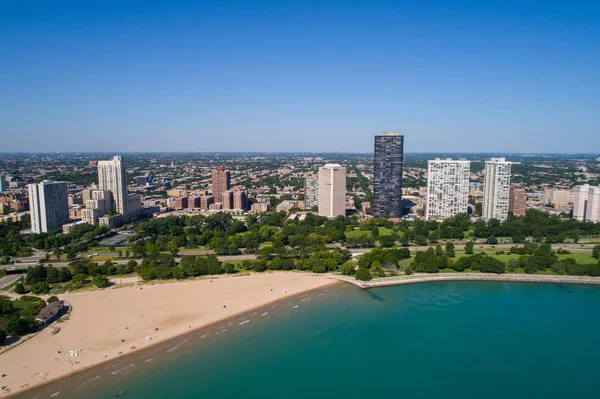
pixel 422 278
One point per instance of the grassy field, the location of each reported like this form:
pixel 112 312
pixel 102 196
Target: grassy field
pixel 187 249
pixel 29 305
pixel 580 257
pixel 358 233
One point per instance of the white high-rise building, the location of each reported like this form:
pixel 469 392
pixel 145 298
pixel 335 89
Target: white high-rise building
pixel 496 187
pixel 447 188
pixel 586 203
pixel 332 190
pixel 112 177
pixel 311 192
pixel 49 206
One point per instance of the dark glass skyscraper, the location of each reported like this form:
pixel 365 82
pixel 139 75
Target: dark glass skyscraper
pixel 387 176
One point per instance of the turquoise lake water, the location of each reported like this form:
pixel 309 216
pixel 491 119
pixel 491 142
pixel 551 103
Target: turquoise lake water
pixel 433 340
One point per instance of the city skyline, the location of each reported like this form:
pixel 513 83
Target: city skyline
pixel 215 76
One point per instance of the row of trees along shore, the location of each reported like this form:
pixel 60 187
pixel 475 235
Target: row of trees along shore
pixel 227 236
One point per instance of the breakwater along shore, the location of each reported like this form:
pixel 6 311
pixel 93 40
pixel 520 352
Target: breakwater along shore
pixel 424 278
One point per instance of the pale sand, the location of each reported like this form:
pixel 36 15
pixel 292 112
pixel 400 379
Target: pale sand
pixel 101 319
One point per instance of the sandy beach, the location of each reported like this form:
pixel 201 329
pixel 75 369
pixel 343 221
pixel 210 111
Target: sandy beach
pixel 110 323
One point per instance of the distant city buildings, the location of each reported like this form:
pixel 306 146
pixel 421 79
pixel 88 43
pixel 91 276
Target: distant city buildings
pixel 517 200
pixel 332 190
pixel 3 183
pixel 557 198
pixel 259 207
pixel 206 201
pixel 496 188
pixel 288 205
pixel 143 180
pixel 387 175
pixel 221 181
pixel 97 203
pixel 447 188
pixel 475 189
pixel 311 192
pixel 49 206
pixel 586 206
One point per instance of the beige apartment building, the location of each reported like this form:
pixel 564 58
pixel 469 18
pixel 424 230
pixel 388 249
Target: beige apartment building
pixel 332 190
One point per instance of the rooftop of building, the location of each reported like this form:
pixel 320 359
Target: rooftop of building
pixel 389 134
pixel 50 311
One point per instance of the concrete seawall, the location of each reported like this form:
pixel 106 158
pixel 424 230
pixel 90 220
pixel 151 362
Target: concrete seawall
pixel 424 278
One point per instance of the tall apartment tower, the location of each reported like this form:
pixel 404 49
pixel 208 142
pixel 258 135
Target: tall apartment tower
pixel 517 200
pixel 496 187
pixel 387 175
pixel 240 200
pixel 311 192
pixel 221 181
pixel 586 203
pixel 49 206
pixel 447 188
pixel 3 183
pixel 332 190
pixel 113 177
pixel 227 199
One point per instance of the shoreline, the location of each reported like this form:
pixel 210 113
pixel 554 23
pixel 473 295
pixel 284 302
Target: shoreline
pixel 433 277
pixel 164 337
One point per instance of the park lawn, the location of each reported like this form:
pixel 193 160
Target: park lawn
pixel 29 305
pixel 384 231
pixel 189 249
pixel 580 257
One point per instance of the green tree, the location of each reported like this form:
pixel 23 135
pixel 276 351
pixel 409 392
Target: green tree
pixel 131 266
pixel 64 274
pixel 377 269
pixel 40 288
pixel 348 268
pixel 363 274
pixel 492 240
pixel 20 288
pixel 16 325
pixel 596 252
pixel 259 267
pixel 52 275
pixel 450 252
pixel 6 305
pixel 375 232
pixel 173 248
pixel 469 248
pixel 100 281
pixel 53 298
pixel 229 268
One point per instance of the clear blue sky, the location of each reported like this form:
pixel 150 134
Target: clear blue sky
pixel 464 76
